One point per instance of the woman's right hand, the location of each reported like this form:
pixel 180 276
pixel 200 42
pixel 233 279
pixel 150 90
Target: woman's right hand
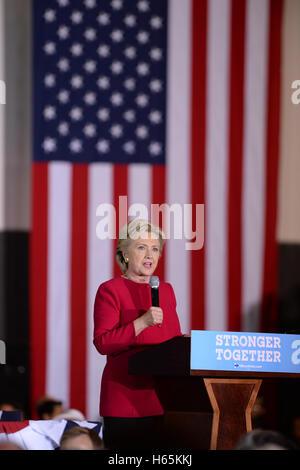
pixel 153 316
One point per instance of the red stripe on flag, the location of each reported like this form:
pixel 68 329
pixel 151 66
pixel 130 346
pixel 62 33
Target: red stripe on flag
pixel 236 119
pixel 198 143
pixel 120 188
pixel 11 427
pixel 270 282
pixel 38 282
pixel 159 197
pixel 78 299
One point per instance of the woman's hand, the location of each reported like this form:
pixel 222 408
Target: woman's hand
pixel 153 316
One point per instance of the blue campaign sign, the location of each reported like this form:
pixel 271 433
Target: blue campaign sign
pixel 236 351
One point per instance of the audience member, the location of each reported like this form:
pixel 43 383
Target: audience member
pixel 296 429
pixel 9 446
pixel 49 408
pixel 80 438
pixel 265 440
pixel 12 406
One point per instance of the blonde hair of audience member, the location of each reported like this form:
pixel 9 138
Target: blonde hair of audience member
pixel 263 439
pixel 9 446
pixel 80 438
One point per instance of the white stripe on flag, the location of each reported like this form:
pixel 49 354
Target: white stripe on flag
pixel 216 163
pixel 219 15
pixel 58 302
pixel 139 188
pixel 2 121
pixel 99 269
pixel 178 147
pixel 253 211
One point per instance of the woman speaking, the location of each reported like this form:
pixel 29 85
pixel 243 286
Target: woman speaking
pixel 124 323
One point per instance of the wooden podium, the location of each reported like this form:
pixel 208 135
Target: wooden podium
pixel 204 409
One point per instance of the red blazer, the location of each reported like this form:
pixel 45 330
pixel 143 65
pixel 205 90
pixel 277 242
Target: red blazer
pixel 118 303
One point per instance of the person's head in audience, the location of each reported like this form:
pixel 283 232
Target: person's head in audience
pixel 80 438
pixel 70 415
pixel 9 446
pixel 296 429
pixel 260 439
pixel 11 405
pixel 48 408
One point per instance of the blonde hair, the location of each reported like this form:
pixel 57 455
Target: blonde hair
pixel 132 231
pixel 79 431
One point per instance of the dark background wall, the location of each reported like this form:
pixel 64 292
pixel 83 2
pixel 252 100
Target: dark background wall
pixel 14 376
pixel 15 197
pixel 289 321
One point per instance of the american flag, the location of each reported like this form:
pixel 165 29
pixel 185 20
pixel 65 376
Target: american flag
pixel 103 70
pixel 162 101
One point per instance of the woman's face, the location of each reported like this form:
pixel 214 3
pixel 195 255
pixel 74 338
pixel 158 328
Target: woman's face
pixel 143 255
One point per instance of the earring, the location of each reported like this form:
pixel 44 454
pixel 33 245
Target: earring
pixel 126 260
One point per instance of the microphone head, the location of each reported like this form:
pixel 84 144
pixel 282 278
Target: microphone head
pixel 154 282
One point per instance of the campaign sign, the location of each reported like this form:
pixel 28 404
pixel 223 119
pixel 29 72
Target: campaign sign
pixel 236 351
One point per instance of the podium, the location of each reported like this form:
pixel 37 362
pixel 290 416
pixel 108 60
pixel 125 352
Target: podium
pixel 204 409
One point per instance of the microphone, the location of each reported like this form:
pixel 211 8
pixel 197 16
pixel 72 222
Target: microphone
pixel 154 283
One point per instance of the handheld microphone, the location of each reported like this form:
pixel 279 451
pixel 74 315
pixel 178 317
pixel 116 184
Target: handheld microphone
pixel 154 283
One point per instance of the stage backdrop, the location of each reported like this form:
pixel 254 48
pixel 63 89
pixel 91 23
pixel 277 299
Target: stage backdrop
pixel 175 102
